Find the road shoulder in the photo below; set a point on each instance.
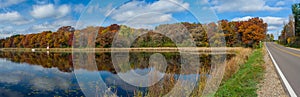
(271, 85)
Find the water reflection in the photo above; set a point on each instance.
(50, 74)
(22, 79)
(64, 62)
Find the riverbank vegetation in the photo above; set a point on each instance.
(234, 65)
(244, 82)
(225, 33)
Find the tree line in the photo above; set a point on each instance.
(234, 33)
(290, 34)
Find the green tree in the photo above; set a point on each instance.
(296, 14)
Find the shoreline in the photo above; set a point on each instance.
(146, 49)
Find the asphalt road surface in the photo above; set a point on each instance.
(288, 61)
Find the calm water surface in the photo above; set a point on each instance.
(42, 74)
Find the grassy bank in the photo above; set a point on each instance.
(232, 66)
(244, 81)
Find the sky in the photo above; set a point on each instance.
(33, 16)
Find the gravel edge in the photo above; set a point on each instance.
(271, 85)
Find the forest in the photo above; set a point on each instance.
(290, 34)
(235, 33)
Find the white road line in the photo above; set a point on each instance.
(286, 83)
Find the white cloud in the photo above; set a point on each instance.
(6, 28)
(7, 3)
(10, 16)
(6, 31)
(145, 13)
(280, 3)
(23, 21)
(242, 5)
(242, 18)
(48, 84)
(79, 8)
(43, 11)
(10, 79)
(274, 23)
(13, 18)
(63, 10)
(64, 22)
(270, 20)
(158, 19)
(46, 11)
(46, 26)
(4, 35)
(202, 2)
(96, 8)
(273, 28)
(275, 20)
(42, 27)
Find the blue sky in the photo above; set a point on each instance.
(33, 16)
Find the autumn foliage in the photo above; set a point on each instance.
(290, 34)
(236, 33)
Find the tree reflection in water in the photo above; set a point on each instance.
(139, 62)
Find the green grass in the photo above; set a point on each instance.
(244, 82)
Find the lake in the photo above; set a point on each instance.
(42, 74)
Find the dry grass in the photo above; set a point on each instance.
(233, 65)
(243, 83)
(206, 87)
(209, 86)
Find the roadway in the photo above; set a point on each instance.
(288, 61)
